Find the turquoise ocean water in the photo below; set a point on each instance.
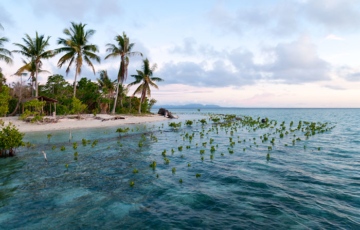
(296, 188)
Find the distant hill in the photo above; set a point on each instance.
(188, 106)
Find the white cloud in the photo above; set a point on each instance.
(333, 37)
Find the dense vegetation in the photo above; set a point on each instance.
(108, 93)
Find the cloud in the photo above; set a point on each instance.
(333, 37)
(297, 62)
(334, 87)
(348, 73)
(5, 17)
(196, 74)
(333, 14)
(186, 48)
(279, 19)
(287, 17)
(72, 10)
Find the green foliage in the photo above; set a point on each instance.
(77, 106)
(36, 105)
(188, 123)
(10, 139)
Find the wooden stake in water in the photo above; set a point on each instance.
(44, 155)
(70, 135)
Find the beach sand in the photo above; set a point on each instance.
(87, 122)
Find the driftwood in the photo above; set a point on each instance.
(166, 113)
(110, 119)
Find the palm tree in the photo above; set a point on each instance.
(106, 84)
(123, 49)
(77, 48)
(5, 55)
(31, 68)
(35, 49)
(145, 78)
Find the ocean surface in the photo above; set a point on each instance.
(296, 187)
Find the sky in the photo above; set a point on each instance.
(232, 53)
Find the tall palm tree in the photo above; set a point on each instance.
(106, 84)
(5, 55)
(35, 49)
(30, 67)
(77, 48)
(122, 49)
(145, 79)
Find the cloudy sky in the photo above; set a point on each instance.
(259, 53)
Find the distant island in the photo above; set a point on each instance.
(188, 106)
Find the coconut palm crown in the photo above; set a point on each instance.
(145, 79)
(35, 49)
(122, 49)
(76, 49)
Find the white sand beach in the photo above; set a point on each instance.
(87, 122)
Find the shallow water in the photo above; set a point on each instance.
(296, 188)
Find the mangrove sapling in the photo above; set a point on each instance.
(189, 165)
(211, 156)
(132, 183)
(180, 180)
(135, 171)
(10, 139)
(62, 148)
(173, 170)
(49, 136)
(198, 175)
(202, 158)
(268, 157)
(53, 147)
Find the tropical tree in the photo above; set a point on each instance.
(145, 79)
(35, 49)
(123, 49)
(106, 84)
(30, 67)
(5, 55)
(76, 49)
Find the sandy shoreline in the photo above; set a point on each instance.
(88, 122)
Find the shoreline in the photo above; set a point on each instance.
(87, 122)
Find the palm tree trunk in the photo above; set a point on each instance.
(36, 81)
(116, 96)
(75, 83)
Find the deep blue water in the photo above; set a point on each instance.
(297, 188)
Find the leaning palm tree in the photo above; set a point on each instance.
(123, 50)
(5, 55)
(145, 79)
(35, 49)
(30, 67)
(106, 84)
(77, 49)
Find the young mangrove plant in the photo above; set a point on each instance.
(10, 139)
(49, 136)
(173, 170)
(122, 130)
(188, 123)
(180, 180)
(135, 171)
(62, 148)
(198, 175)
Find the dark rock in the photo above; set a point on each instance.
(264, 120)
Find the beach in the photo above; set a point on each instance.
(88, 121)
